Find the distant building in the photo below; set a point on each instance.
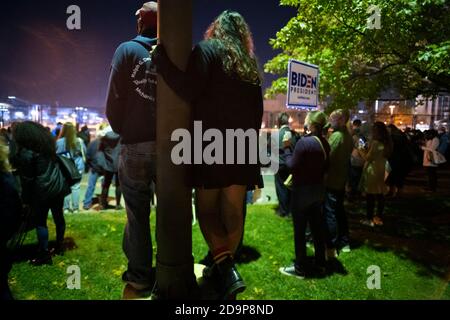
(274, 107)
(49, 116)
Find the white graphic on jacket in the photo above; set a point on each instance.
(144, 79)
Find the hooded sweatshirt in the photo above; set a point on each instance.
(131, 101)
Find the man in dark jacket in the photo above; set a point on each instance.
(283, 193)
(131, 111)
(95, 171)
(85, 135)
(108, 155)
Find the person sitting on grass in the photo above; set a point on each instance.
(308, 165)
(10, 209)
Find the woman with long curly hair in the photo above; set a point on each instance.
(223, 85)
(70, 145)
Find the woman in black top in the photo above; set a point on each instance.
(10, 210)
(222, 83)
(43, 185)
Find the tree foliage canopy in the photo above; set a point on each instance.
(410, 52)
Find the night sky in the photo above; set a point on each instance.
(43, 62)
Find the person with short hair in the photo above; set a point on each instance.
(308, 164)
(57, 130)
(108, 160)
(95, 170)
(341, 144)
(283, 193)
(131, 111)
(85, 135)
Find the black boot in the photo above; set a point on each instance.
(230, 281)
(104, 199)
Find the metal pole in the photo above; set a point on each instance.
(433, 112)
(174, 269)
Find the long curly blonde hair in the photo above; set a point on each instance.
(232, 35)
(4, 152)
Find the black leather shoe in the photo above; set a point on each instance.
(230, 280)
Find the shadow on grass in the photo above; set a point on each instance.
(415, 237)
(417, 225)
(28, 251)
(244, 255)
(334, 266)
(247, 255)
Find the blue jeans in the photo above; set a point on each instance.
(335, 216)
(283, 195)
(92, 181)
(137, 171)
(41, 212)
(74, 196)
(249, 198)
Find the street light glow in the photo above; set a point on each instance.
(392, 109)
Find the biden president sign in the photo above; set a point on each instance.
(303, 86)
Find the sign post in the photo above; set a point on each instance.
(175, 265)
(303, 85)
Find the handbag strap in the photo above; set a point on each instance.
(321, 146)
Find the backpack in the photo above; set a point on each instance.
(69, 170)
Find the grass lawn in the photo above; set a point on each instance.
(269, 241)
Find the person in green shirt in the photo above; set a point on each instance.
(341, 145)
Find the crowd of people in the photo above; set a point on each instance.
(317, 171)
(33, 183)
(337, 160)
